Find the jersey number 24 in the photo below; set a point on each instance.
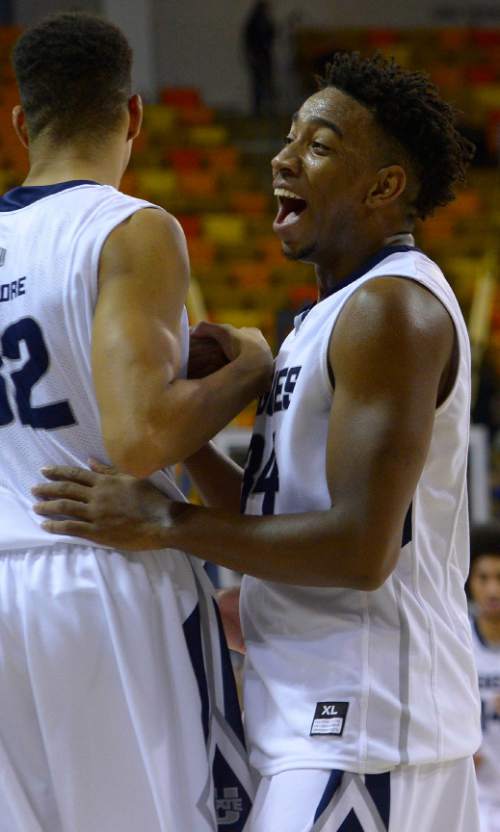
(268, 481)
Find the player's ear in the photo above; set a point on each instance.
(135, 112)
(19, 124)
(389, 184)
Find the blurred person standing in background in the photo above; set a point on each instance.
(258, 42)
(484, 588)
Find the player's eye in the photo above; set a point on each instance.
(320, 146)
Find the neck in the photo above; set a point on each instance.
(489, 628)
(346, 263)
(50, 164)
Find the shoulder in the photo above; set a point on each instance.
(394, 308)
(391, 321)
(150, 235)
(149, 247)
(146, 223)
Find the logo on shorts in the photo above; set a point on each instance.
(228, 806)
(329, 718)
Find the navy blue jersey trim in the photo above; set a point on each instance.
(304, 310)
(374, 790)
(365, 267)
(351, 823)
(28, 194)
(192, 634)
(372, 261)
(407, 527)
(231, 706)
(379, 788)
(331, 787)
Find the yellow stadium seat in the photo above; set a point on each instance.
(242, 317)
(488, 96)
(224, 229)
(159, 120)
(195, 303)
(209, 135)
(155, 184)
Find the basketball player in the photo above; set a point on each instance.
(484, 587)
(118, 705)
(361, 697)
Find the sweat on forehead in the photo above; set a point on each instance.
(337, 109)
(354, 125)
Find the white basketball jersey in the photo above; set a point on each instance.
(101, 647)
(488, 668)
(340, 678)
(50, 244)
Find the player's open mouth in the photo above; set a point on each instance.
(290, 208)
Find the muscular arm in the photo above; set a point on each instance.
(390, 351)
(150, 419)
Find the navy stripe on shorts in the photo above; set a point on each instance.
(347, 796)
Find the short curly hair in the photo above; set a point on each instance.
(74, 74)
(408, 108)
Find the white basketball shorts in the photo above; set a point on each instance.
(431, 798)
(118, 707)
(489, 813)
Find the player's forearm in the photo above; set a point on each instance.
(175, 423)
(310, 549)
(217, 478)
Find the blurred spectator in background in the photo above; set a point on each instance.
(258, 40)
(291, 93)
(484, 587)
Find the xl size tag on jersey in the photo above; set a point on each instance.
(329, 718)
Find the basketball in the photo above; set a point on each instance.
(206, 356)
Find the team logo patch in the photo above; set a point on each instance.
(228, 806)
(329, 718)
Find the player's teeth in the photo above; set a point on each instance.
(284, 192)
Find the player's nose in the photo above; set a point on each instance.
(287, 160)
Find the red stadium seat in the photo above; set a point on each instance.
(181, 97)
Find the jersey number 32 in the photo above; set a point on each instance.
(45, 417)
